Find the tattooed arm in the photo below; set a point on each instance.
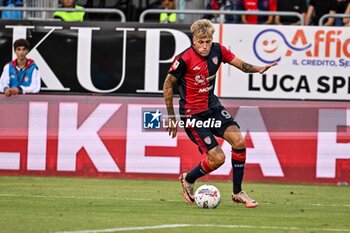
(169, 82)
(248, 68)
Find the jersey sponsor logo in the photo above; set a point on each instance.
(215, 60)
(205, 89)
(200, 80)
(196, 68)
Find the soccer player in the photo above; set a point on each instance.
(21, 75)
(194, 72)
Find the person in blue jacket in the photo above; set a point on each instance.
(22, 75)
(11, 14)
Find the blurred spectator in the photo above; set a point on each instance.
(213, 5)
(346, 21)
(298, 6)
(70, 16)
(11, 14)
(165, 17)
(21, 75)
(341, 8)
(1, 5)
(318, 8)
(233, 5)
(190, 5)
(261, 5)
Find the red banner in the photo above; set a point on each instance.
(100, 136)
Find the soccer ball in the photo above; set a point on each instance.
(207, 196)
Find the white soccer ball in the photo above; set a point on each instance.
(207, 196)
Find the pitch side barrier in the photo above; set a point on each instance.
(221, 12)
(133, 58)
(119, 137)
(326, 16)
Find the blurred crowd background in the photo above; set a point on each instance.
(311, 10)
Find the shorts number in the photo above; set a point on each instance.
(226, 114)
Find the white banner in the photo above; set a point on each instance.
(314, 62)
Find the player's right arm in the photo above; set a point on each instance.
(168, 85)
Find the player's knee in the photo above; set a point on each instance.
(239, 143)
(216, 157)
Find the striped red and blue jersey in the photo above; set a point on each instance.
(196, 77)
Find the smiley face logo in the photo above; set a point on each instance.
(270, 46)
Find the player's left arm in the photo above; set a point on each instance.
(248, 68)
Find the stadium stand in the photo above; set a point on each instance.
(133, 10)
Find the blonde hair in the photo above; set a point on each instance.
(202, 28)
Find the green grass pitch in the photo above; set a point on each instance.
(81, 205)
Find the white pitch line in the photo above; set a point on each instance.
(173, 225)
(143, 199)
(73, 197)
(129, 228)
(274, 227)
(168, 226)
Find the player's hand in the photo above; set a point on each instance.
(7, 92)
(14, 90)
(265, 68)
(172, 127)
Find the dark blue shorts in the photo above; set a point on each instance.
(214, 122)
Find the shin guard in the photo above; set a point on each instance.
(238, 162)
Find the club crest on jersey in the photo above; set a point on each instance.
(215, 60)
(26, 79)
(207, 140)
(175, 64)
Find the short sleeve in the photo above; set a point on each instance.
(178, 68)
(227, 55)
